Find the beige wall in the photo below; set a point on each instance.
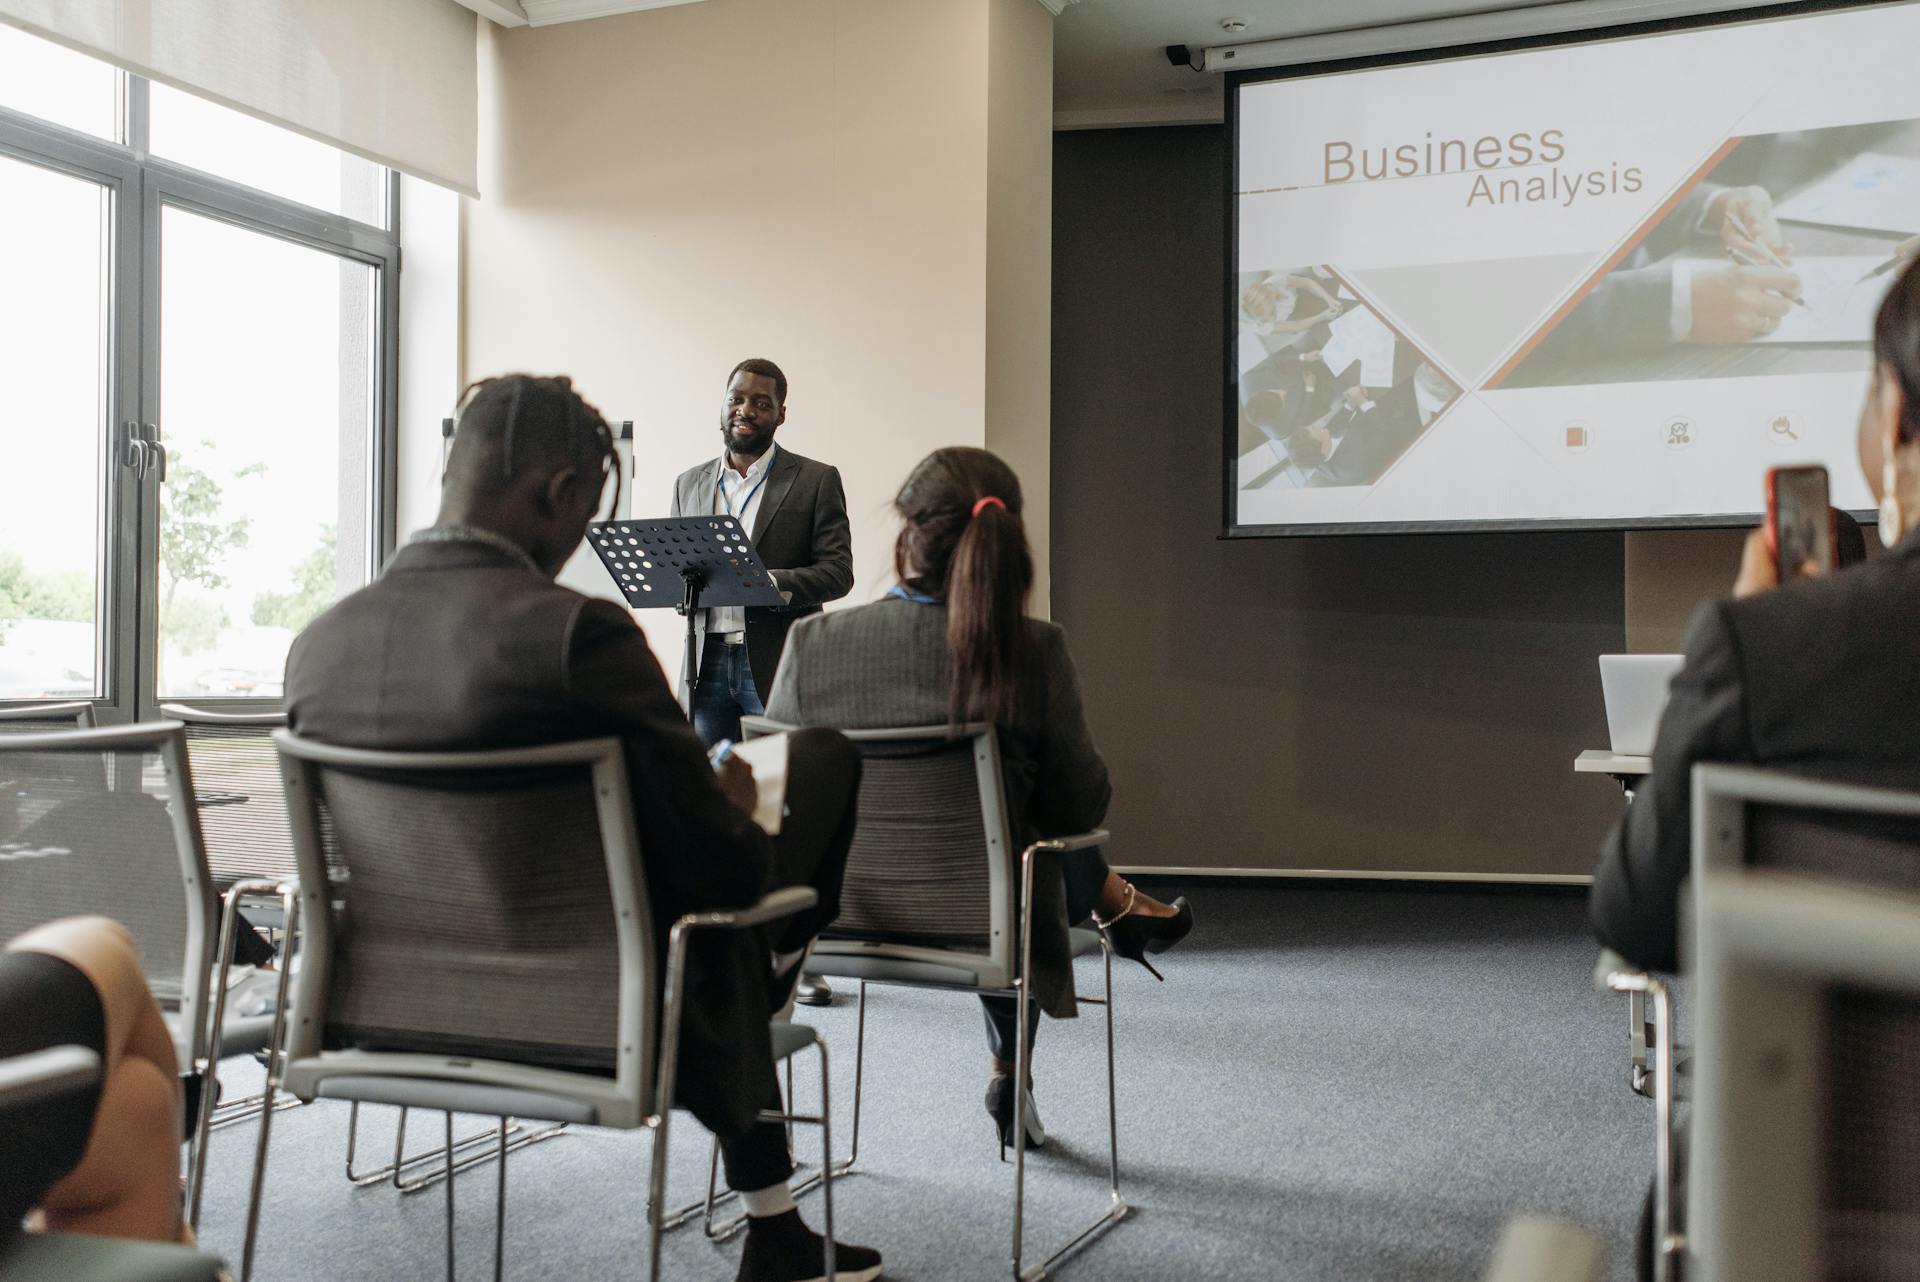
(1670, 574)
(1020, 259)
(821, 182)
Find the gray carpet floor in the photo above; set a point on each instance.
(1333, 1083)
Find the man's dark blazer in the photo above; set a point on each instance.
(1370, 439)
(1820, 676)
(800, 531)
(456, 647)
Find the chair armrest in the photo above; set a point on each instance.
(1613, 973)
(1534, 1248)
(1078, 841)
(44, 1074)
(753, 727)
(781, 903)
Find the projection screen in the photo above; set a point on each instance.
(1602, 281)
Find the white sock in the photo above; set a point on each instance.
(775, 1199)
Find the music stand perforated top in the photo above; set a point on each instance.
(647, 559)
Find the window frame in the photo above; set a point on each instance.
(139, 186)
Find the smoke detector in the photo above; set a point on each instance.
(1233, 26)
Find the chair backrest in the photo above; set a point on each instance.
(1745, 817)
(471, 905)
(930, 873)
(1806, 1122)
(236, 776)
(102, 821)
(38, 718)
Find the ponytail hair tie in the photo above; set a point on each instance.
(989, 501)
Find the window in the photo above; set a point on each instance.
(53, 361)
(208, 137)
(266, 387)
(56, 84)
(199, 353)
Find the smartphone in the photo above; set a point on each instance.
(1799, 521)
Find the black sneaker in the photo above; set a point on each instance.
(781, 1248)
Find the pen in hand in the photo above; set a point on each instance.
(1747, 260)
(1900, 255)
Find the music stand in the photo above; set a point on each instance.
(686, 562)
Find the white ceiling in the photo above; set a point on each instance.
(1110, 65)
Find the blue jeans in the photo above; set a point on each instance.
(724, 693)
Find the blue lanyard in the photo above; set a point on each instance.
(914, 597)
(720, 486)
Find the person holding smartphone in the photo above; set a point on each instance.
(1821, 674)
(1806, 668)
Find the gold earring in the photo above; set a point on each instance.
(1891, 518)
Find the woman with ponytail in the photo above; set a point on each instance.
(952, 644)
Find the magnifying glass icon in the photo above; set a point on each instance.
(1783, 426)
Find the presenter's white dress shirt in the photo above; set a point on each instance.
(738, 496)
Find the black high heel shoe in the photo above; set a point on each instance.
(1000, 1103)
(1134, 935)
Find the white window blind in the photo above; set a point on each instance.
(392, 80)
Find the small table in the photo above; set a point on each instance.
(1626, 769)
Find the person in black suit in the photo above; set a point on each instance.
(795, 511)
(466, 642)
(1816, 675)
(1819, 673)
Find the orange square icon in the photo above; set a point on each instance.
(1577, 436)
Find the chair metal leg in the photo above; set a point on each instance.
(448, 1152)
(500, 1211)
(246, 1109)
(826, 1149)
(389, 1171)
(1669, 1238)
(820, 1179)
(276, 1064)
(1637, 1041)
(1113, 1103)
(789, 1067)
(845, 1165)
(656, 1193)
(428, 1180)
(207, 1064)
(1023, 1057)
(676, 979)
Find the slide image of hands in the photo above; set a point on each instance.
(1772, 262)
(1329, 393)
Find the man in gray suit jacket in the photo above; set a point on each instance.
(795, 511)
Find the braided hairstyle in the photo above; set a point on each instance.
(514, 422)
(962, 540)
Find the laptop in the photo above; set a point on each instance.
(1635, 688)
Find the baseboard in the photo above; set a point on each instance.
(1353, 874)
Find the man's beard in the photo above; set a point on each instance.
(752, 447)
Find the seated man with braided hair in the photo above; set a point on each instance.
(466, 642)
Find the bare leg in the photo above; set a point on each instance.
(128, 1183)
(1113, 899)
